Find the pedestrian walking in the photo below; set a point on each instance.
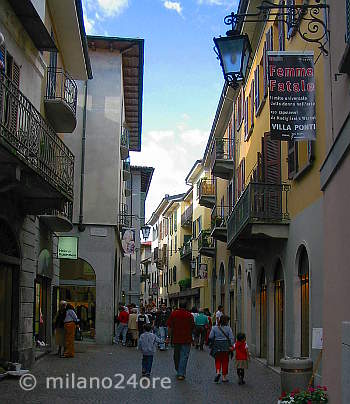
(209, 326)
(59, 327)
(180, 328)
(132, 327)
(70, 322)
(221, 342)
(148, 346)
(122, 327)
(218, 314)
(142, 319)
(242, 356)
(201, 322)
(161, 323)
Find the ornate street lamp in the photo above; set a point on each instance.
(233, 51)
(145, 231)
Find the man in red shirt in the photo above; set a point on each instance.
(122, 327)
(180, 328)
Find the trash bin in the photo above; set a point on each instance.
(295, 373)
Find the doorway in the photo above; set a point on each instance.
(263, 314)
(42, 304)
(279, 314)
(9, 292)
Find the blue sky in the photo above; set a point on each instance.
(182, 78)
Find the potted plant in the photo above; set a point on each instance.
(185, 283)
(310, 396)
(220, 148)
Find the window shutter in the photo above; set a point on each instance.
(246, 118)
(2, 62)
(239, 180)
(243, 174)
(272, 160)
(252, 104)
(292, 158)
(347, 37)
(265, 69)
(272, 201)
(14, 105)
(256, 98)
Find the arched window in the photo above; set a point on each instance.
(231, 269)
(303, 271)
(222, 274)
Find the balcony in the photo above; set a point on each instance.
(219, 216)
(222, 154)
(186, 250)
(207, 192)
(59, 220)
(206, 244)
(126, 170)
(36, 164)
(186, 217)
(124, 216)
(260, 215)
(60, 100)
(124, 143)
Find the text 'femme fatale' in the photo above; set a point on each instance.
(298, 82)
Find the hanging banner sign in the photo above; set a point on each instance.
(292, 95)
(128, 241)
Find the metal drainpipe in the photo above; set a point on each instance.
(81, 226)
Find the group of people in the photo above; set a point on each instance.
(182, 329)
(66, 322)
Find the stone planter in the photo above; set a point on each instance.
(295, 373)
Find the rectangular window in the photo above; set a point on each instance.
(290, 18)
(175, 248)
(194, 233)
(257, 90)
(281, 31)
(174, 274)
(171, 247)
(268, 46)
(246, 119)
(175, 222)
(199, 224)
(251, 104)
(292, 158)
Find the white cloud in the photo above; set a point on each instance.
(217, 2)
(113, 7)
(89, 23)
(172, 153)
(173, 5)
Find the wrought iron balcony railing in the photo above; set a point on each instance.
(124, 216)
(222, 153)
(186, 217)
(259, 203)
(186, 249)
(219, 216)
(207, 187)
(66, 211)
(124, 143)
(59, 220)
(205, 241)
(222, 149)
(26, 134)
(60, 86)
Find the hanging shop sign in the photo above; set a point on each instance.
(203, 271)
(128, 241)
(68, 247)
(292, 95)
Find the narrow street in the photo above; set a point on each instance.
(262, 384)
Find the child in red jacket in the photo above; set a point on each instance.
(242, 356)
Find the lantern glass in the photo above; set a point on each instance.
(234, 52)
(145, 231)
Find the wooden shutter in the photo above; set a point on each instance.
(246, 119)
(252, 104)
(3, 58)
(14, 105)
(256, 93)
(271, 196)
(292, 158)
(265, 69)
(272, 160)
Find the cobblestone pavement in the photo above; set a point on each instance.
(262, 384)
